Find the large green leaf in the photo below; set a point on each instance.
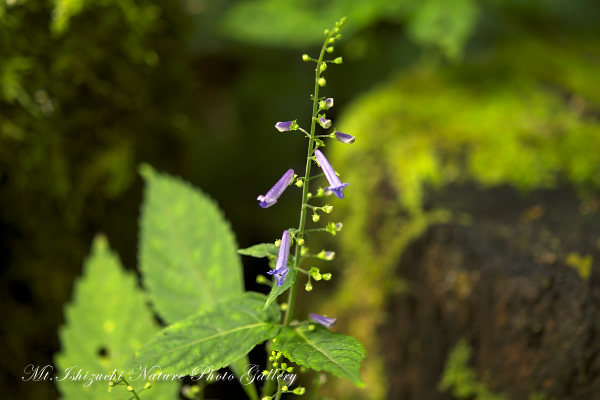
(276, 291)
(216, 337)
(187, 250)
(106, 322)
(322, 350)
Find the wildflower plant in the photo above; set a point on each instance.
(192, 276)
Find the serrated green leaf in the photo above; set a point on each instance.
(276, 291)
(106, 322)
(187, 250)
(260, 250)
(322, 350)
(216, 337)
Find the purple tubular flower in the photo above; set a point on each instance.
(272, 195)
(335, 185)
(329, 102)
(325, 123)
(281, 269)
(284, 126)
(344, 137)
(326, 322)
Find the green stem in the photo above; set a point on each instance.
(311, 143)
(135, 395)
(279, 392)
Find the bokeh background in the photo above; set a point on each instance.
(468, 261)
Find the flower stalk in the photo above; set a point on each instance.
(309, 157)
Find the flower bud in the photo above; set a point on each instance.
(300, 242)
(329, 49)
(314, 272)
(299, 390)
(316, 217)
(326, 255)
(338, 60)
(305, 57)
(299, 183)
(322, 82)
(327, 277)
(308, 287)
(327, 208)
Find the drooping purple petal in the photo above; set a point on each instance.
(272, 195)
(281, 269)
(335, 185)
(280, 275)
(325, 123)
(326, 322)
(284, 126)
(344, 137)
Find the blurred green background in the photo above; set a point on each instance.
(495, 92)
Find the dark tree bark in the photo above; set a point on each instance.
(501, 282)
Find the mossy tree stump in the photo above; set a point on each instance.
(516, 277)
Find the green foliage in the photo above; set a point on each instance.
(445, 24)
(79, 106)
(276, 290)
(260, 250)
(322, 350)
(441, 24)
(106, 322)
(219, 335)
(460, 380)
(187, 250)
(299, 23)
(64, 10)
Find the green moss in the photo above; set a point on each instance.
(494, 122)
(460, 380)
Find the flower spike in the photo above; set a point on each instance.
(335, 185)
(326, 322)
(344, 137)
(272, 195)
(281, 269)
